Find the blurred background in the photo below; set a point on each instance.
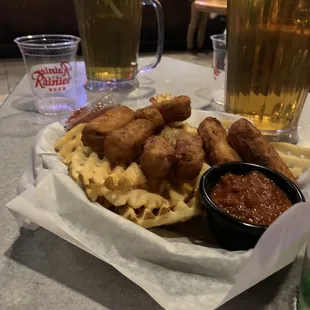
(19, 18)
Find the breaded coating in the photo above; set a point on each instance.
(175, 110)
(170, 135)
(156, 159)
(152, 114)
(184, 126)
(189, 156)
(253, 147)
(215, 142)
(95, 132)
(123, 145)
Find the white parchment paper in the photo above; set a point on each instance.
(178, 275)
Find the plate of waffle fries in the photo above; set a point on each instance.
(118, 184)
(145, 165)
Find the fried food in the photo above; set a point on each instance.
(161, 97)
(83, 115)
(95, 131)
(125, 179)
(127, 184)
(156, 159)
(174, 110)
(152, 114)
(121, 146)
(296, 157)
(148, 216)
(189, 156)
(215, 141)
(170, 135)
(71, 143)
(115, 188)
(253, 147)
(184, 126)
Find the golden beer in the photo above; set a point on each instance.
(110, 32)
(268, 62)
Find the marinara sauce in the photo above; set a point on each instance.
(252, 198)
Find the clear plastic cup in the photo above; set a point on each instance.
(50, 61)
(219, 68)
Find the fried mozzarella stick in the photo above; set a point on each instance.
(175, 110)
(121, 146)
(156, 159)
(95, 132)
(189, 156)
(253, 147)
(152, 114)
(171, 135)
(216, 145)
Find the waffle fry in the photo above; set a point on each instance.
(296, 157)
(162, 216)
(204, 169)
(136, 199)
(76, 164)
(183, 193)
(160, 98)
(292, 149)
(122, 180)
(95, 170)
(69, 136)
(70, 143)
(94, 192)
(113, 180)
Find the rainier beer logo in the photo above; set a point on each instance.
(55, 78)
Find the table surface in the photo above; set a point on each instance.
(38, 270)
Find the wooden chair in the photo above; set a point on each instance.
(200, 11)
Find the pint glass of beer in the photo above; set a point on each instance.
(110, 32)
(269, 63)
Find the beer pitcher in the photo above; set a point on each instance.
(110, 32)
(268, 63)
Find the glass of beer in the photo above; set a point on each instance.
(269, 63)
(110, 32)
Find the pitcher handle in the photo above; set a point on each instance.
(160, 40)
